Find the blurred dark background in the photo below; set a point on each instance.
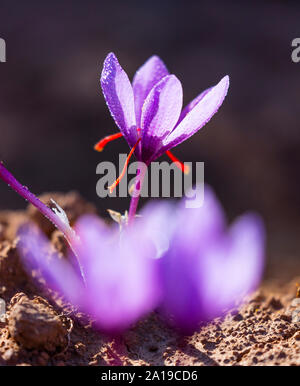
(52, 110)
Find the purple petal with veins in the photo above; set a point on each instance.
(154, 106)
(198, 116)
(119, 97)
(160, 113)
(192, 104)
(146, 77)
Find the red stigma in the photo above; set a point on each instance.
(104, 141)
(184, 168)
(116, 183)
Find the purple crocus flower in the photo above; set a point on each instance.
(208, 269)
(120, 279)
(183, 260)
(114, 276)
(149, 112)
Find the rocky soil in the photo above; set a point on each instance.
(40, 328)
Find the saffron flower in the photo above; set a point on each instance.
(207, 268)
(120, 276)
(149, 111)
(184, 261)
(114, 277)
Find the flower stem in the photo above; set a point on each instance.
(23, 191)
(137, 191)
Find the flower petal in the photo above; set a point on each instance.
(208, 270)
(196, 230)
(160, 113)
(233, 269)
(192, 104)
(199, 115)
(158, 223)
(94, 235)
(35, 250)
(119, 98)
(120, 275)
(201, 225)
(146, 77)
(248, 238)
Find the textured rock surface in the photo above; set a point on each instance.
(34, 324)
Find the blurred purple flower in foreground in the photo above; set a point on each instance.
(150, 110)
(207, 268)
(183, 260)
(120, 282)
